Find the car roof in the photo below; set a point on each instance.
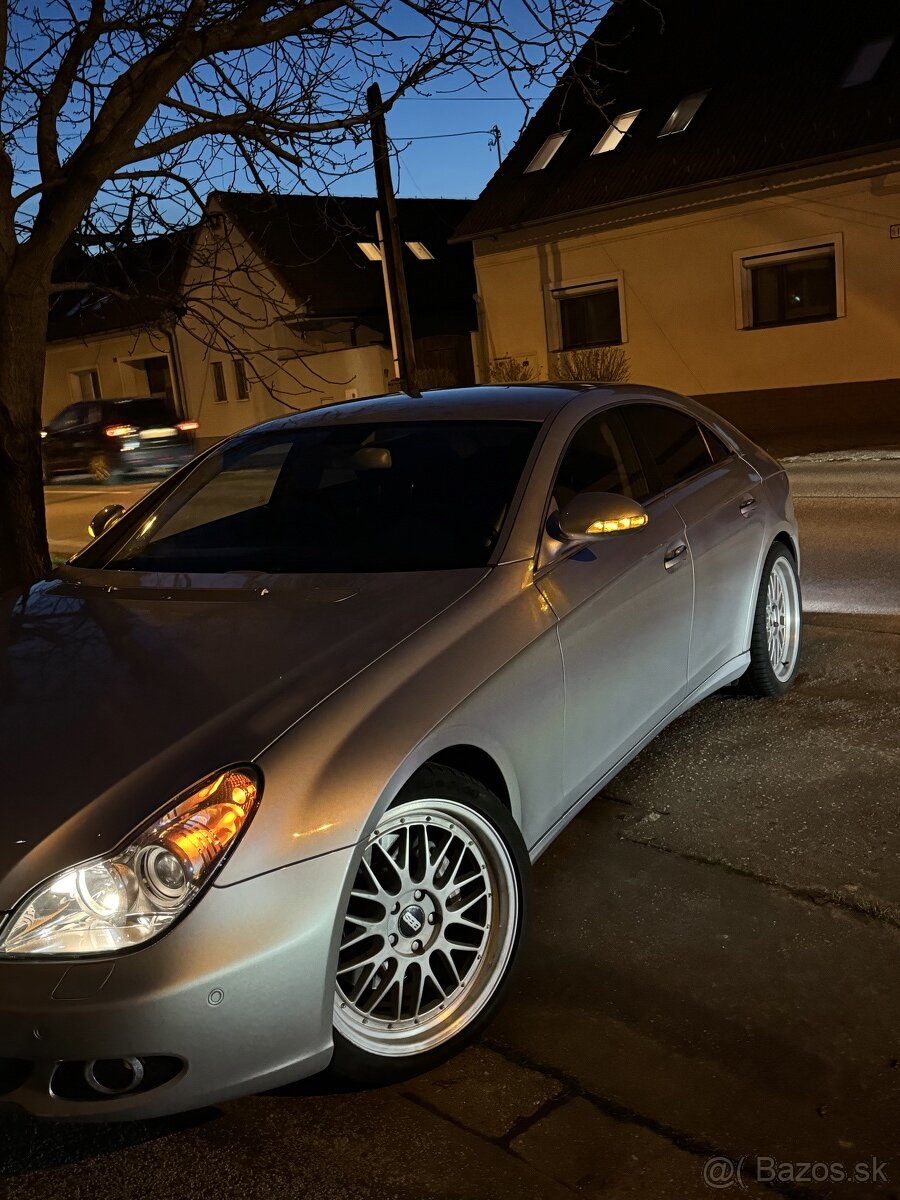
(514, 402)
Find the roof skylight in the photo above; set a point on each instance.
(684, 113)
(370, 250)
(868, 59)
(546, 152)
(619, 126)
(420, 250)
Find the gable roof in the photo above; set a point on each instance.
(773, 70)
(135, 286)
(311, 242)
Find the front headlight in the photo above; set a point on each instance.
(125, 898)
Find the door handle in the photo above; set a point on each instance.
(675, 556)
(747, 505)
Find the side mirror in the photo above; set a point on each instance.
(105, 519)
(590, 516)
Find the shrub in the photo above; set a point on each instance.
(600, 364)
(511, 370)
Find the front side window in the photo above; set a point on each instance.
(600, 458)
(792, 288)
(670, 441)
(590, 318)
(376, 497)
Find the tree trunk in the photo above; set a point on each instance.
(23, 531)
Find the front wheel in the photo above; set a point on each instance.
(432, 931)
(777, 627)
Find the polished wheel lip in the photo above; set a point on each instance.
(782, 619)
(478, 968)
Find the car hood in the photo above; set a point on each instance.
(118, 692)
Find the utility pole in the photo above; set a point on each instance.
(392, 249)
(495, 141)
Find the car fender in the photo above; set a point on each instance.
(330, 777)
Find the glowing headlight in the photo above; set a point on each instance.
(135, 893)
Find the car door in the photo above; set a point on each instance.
(57, 445)
(716, 493)
(624, 609)
(87, 435)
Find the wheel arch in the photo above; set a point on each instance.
(476, 762)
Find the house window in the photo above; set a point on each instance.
(684, 113)
(868, 59)
(420, 250)
(87, 384)
(589, 317)
(617, 130)
(370, 250)
(546, 152)
(241, 383)
(218, 378)
(795, 287)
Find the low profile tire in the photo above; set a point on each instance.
(777, 627)
(435, 923)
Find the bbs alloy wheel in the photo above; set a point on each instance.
(777, 627)
(431, 929)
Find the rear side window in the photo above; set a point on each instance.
(601, 458)
(716, 446)
(670, 441)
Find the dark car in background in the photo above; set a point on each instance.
(112, 439)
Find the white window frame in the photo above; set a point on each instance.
(700, 97)
(212, 378)
(75, 389)
(808, 247)
(616, 131)
(549, 148)
(239, 369)
(584, 286)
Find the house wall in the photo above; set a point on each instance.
(681, 302)
(239, 323)
(110, 355)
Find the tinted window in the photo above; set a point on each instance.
(423, 495)
(142, 413)
(67, 419)
(600, 458)
(671, 440)
(717, 447)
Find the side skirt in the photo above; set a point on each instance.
(726, 674)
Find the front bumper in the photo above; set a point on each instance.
(240, 992)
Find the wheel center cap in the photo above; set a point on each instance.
(411, 921)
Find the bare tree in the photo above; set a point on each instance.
(116, 115)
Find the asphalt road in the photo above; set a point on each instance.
(712, 973)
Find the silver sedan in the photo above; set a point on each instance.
(281, 744)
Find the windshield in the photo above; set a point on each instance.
(411, 496)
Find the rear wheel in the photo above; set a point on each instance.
(432, 931)
(101, 469)
(777, 627)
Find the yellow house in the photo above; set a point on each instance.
(270, 305)
(715, 188)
